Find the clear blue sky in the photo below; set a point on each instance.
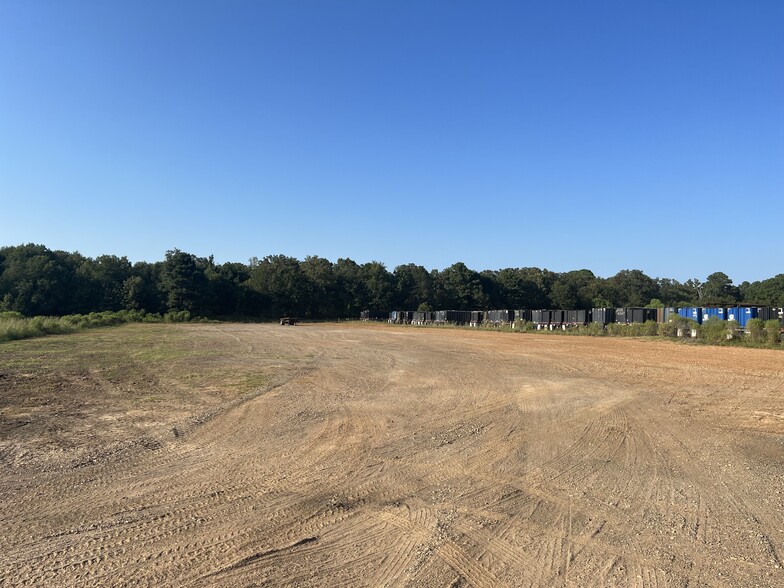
(566, 135)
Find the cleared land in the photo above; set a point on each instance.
(246, 455)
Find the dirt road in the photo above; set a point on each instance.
(396, 457)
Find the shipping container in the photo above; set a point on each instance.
(620, 316)
(766, 313)
(577, 317)
(524, 314)
(640, 315)
(710, 312)
(455, 317)
(603, 316)
(557, 317)
(499, 317)
(540, 317)
(742, 314)
(691, 312)
(374, 315)
(477, 317)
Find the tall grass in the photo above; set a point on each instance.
(15, 326)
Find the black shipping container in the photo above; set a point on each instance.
(477, 317)
(603, 316)
(457, 317)
(636, 315)
(556, 317)
(540, 317)
(500, 316)
(620, 315)
(576, 317)
(374, 315)
(523, 314)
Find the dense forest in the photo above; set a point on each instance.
(35, 280)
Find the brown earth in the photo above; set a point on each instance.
(332, 455)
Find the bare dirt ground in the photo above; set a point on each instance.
(330, 455)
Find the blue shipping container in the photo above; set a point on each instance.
(742, 315)
(719, 313)
(691, 312)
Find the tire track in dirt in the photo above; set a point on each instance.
(407, 469)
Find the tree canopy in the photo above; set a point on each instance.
(35, 280)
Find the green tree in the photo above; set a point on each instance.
(280, 279)
(141, 290)
(462, 288)
(718, 289)
(631, 288)
(321, 288)
(351, 290)
(35, 280)
(379, 285)
(527, 287)
(104, 277)
(413, 286)
(564, 295)
(183, 282)
(574, 289)
(673, 293)
(768, 292)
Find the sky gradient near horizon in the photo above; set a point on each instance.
(563, 135)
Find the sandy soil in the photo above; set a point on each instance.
(392, 456)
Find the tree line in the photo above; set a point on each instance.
(36, 281)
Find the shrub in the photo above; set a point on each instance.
(10, 314)
(714, 330)
(594, 329)
(668, 329)
(177, 316)
(773, 331)
(650, 328)
(616, 329)
(756, 329)
(733, 329)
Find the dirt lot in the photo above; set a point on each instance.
(247, 455)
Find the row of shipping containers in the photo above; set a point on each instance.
(551, 318)
(740, 314)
